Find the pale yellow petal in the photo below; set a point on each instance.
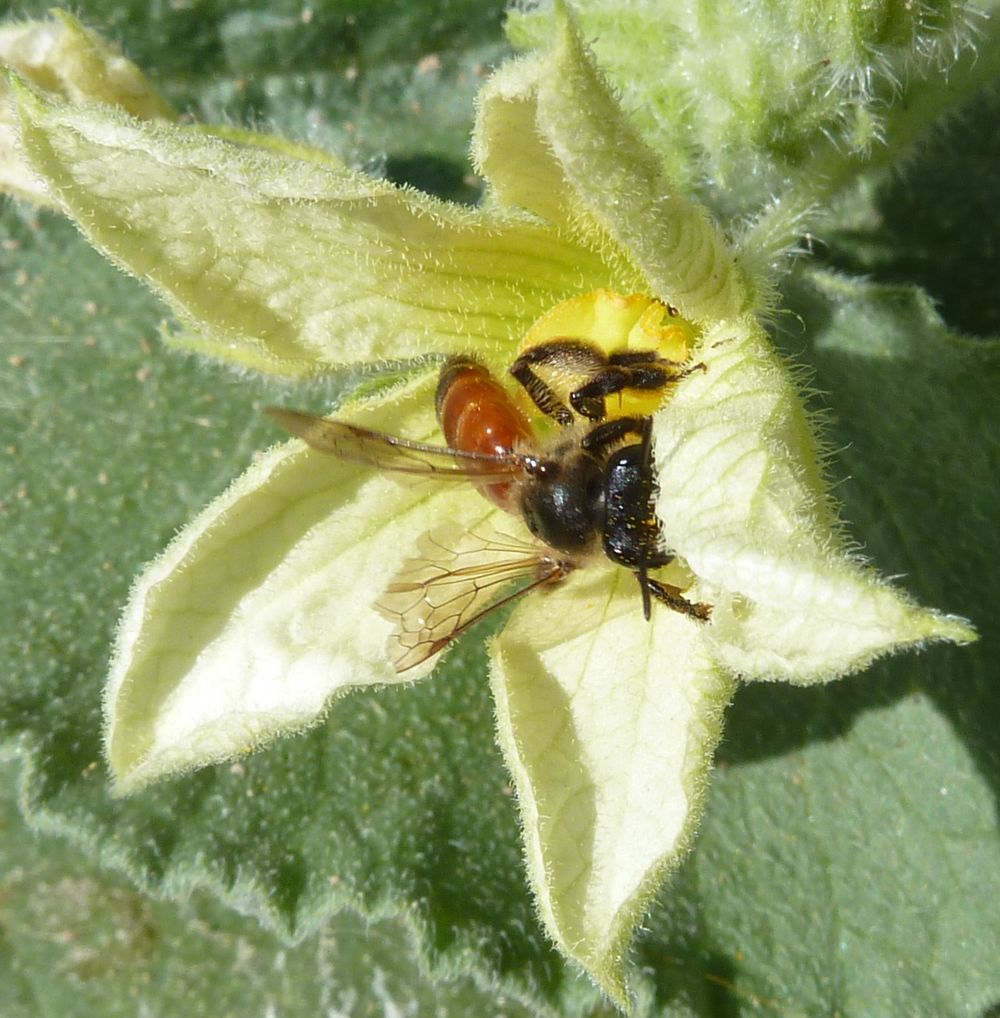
(608, 724)
(551, 136)
(261, 609)
(670, 238)
(742, 501)
(510, 149)
(66, 59)
(281, 262)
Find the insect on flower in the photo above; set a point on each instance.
(584, 491)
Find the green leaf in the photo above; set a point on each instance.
(79, 941)
(749, 104)
(917, 227)
(869, 877)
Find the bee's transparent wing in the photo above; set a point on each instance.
(387, 452)
(458, 578)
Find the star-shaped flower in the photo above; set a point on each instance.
(262, 610)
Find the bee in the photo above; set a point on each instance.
(584, 492)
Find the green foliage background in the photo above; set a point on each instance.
(849, 861)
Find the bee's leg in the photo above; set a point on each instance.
(560, 356)
(613, 431)
(673, 597)
(643, 576)
(646, 358)
(589, 399)
(631, 358)
(629, 370)
(646, 430)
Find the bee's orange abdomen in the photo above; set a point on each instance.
(477, 414)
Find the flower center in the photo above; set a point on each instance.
(602, 356)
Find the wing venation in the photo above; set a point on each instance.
(457, 579)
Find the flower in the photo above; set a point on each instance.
(285, 261)
(66, 59)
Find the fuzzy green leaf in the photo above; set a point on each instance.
(79, 941)
(744, 118)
